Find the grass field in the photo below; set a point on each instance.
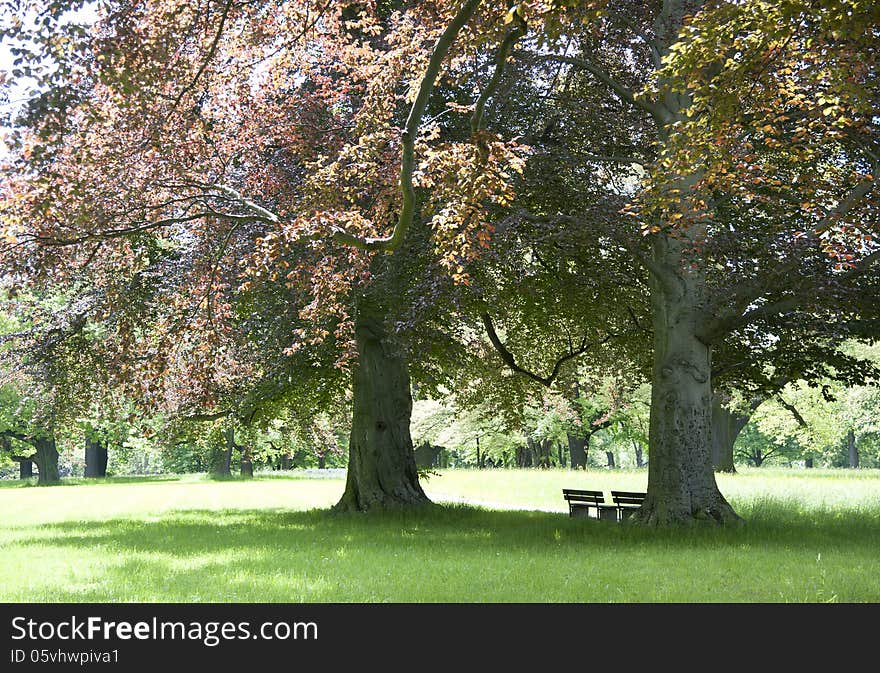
(811, 536)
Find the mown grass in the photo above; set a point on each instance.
(810, 537)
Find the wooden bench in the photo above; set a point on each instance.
(627, 502)
(580, 502)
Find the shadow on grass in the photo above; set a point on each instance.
(433, 553)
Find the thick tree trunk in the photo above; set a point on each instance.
(381, 464)
(681, 481)
(640, 460)
(322, 461)
(223, 460)
(96, 459)
(609, 456)
(726, 426)
(46, 460)
(540, 450)
(25, 469)
(246, 466)
(808, 462)
(852, 449)
(577, 450)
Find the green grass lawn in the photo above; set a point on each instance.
(811, 536)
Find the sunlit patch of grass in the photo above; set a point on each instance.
(808, 538)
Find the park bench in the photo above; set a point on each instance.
(624, 503)
(627, 502)
(581, 502)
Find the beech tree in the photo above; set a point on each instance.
(741, 224)
(266, 139)
(284, 136)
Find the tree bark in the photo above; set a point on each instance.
(808, 462)
(381, 464)
(246, 466)
(25, 468)
(96, 459)
(223, 460)
(577, 450)
(852, 449)
(609, 456)
(640, 460)
(726, 426)
(46, 460)
(681, 481)
(540, 450)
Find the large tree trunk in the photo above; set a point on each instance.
(46, 460)
(640, 461)
(726, 426)
(25, 468)
(246, 465)
(681, 481)
(577, 450)
(540, 451)
(523, 456)
(96, 459)
(609, 457)
(381, 463)
(223, 459)
(852, 449)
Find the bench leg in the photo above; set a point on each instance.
(608, 514)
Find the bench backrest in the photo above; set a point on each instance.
(628, 497)
(574, 495)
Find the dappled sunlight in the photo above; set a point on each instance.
(441, 554)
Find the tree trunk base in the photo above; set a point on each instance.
(718, 512)
(381, 501)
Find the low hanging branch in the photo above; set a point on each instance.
(510, 360)
(793, 410)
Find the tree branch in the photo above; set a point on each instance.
(145, 226)
(211, 50)
(794, 412)
(202, 417)
(20, 436)
(408, 137)
(500, 62)
(257, 209)
(851, 201)
(510, 360)
(622, 92)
